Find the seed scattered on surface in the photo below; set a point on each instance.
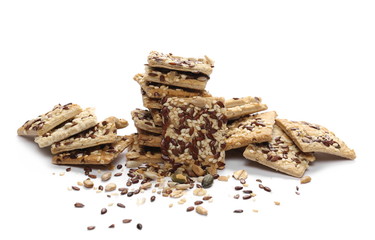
(201, 210)
(68, 169)
(118, 174)
(246, 197)
(237, 188)
(110, 187)
(305, 179)
(139, 226)
(120, 205)
(277, 203)
(297, 193)
(79, 205)
(237, 196)
(205, 198)
(238, 211)
(189, 209)
(255, 210)
(88, 183)
(261, 186)
(207, 181)
(198, 202)
(223, 178)
(75, 188)
(247, 191)
(127, 220)
(100, 188)
(106, 176)
(242, 181)
(240, 174)
(152, 199)
(103, 211)
(90, 228)
(182, 201)
(267, 189)
(112, 226)
(199, 192)
(258, 180)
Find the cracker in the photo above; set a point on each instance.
(86, 119)
(280, 154)
(148, 139)
(194, 132)
(315, 138)
(45, 122)
(143, 154)
(196, 65)
(102, 133)
(157, 90)
(238, 107)
(143, 120)
(252, 129)
(98, 155)
(176, 78)
(153, 103)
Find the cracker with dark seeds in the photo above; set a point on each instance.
(239, 107)
(143, 120)
(280, 154)
(315, 138)
(251, 129)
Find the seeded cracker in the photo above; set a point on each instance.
(102, 133)
(79, 123)
(157, 90)
(45, 122)
(280, 154)
(156, 116)
(148, 139)
(238, 107)
(252, 129)
(143, 120)
(143, 154)
(194, 132)
(175, 78)
(154, 103)
(169, 61)
(315, 138)
(98, 155)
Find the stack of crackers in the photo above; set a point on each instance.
(75, 137)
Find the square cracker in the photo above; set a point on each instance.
(86, 119)
(169, 61)
(194, 132)
(45, 122)
(315, 138)
(148, 139)
(157, 90)
(280, 154)
(239, 107)
(102, 133)
(143, 120)
(176, 78)
(98, 155)
(251, 129)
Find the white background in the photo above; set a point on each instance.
(308, 60)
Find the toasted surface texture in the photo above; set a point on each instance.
(143, 120)
(98, 155)
(143, 154)
(102, 133)
(252, 129)
(45, 122)
(239, 107)
(280, 154)
(86, 119)
(170, 61)
(315, 138)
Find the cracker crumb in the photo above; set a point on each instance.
(305, 179)
(62, 173)
(255, 210)
(277, 203)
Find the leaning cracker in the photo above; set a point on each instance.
(143, 120)
(102, 133)
(169, 61)
(175, 78)
(315, 138)
(238, 107)
(252, 129)
(79, 123)
(143, 154)
(157, 90)
(194, 132)
(45, 122)
(280, 154)
(98, 155)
